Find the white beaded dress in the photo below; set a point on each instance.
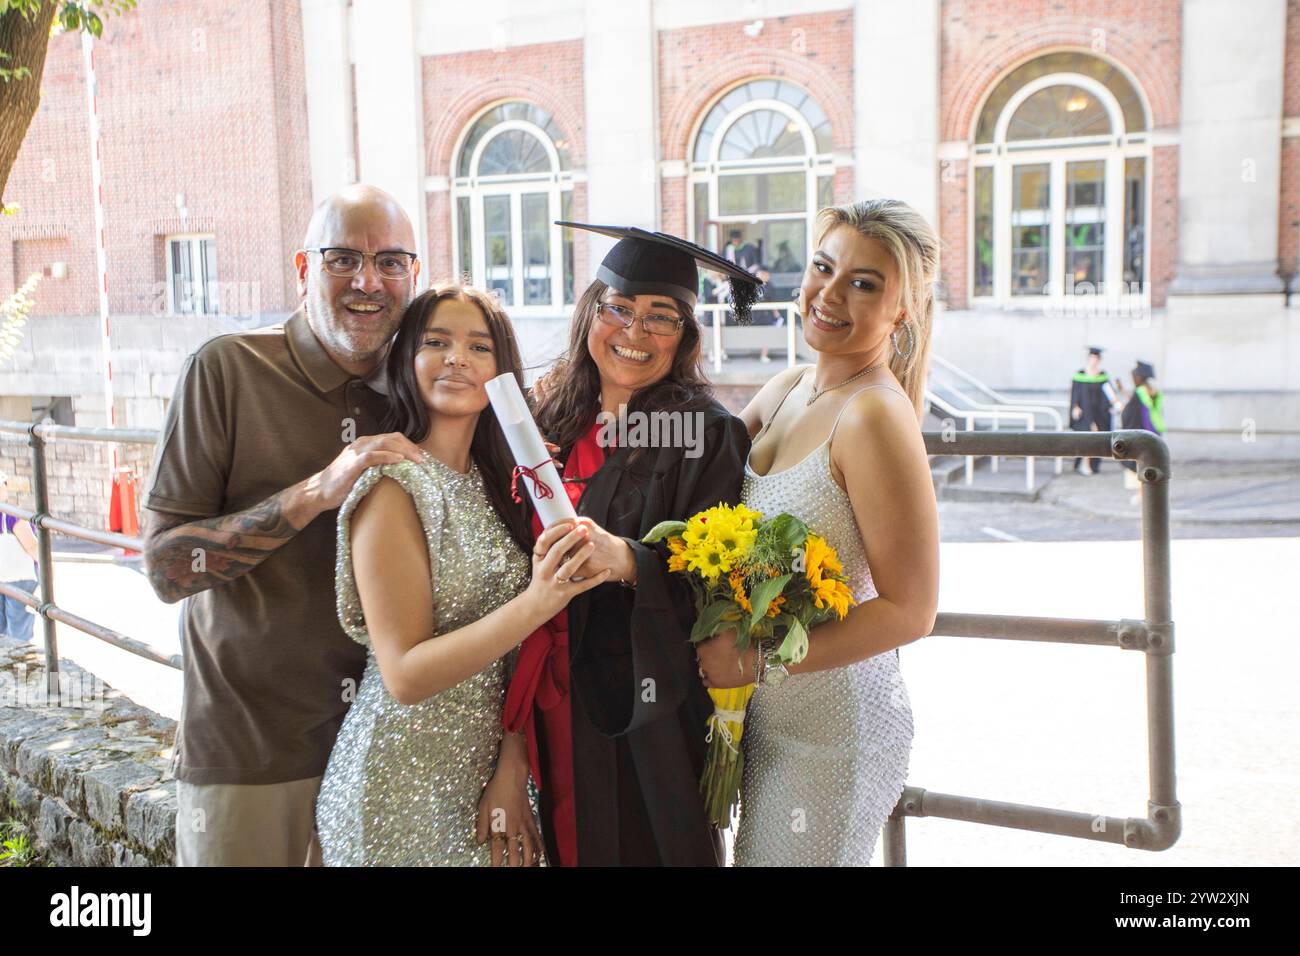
(403, 783)
(826, 752)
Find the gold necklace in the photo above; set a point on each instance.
(852, 378)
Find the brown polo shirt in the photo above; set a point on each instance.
(266, 662)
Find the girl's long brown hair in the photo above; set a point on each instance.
(408, 414)
(571, 397)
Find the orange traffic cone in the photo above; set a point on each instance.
(121, 506)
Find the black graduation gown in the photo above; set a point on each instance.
(1131, 417)
(1091, 398)
(639, 709)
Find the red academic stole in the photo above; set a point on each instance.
(539, 688)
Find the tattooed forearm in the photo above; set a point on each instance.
(184, 556)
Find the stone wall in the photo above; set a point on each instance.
(59, 356)
(87, 775)
(77, 479)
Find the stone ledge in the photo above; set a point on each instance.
(88, 772)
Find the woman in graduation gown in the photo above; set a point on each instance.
(609, 692)
(1145, 410)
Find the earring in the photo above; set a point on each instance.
(911, 341)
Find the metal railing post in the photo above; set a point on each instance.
(1164, 818)
(44, 556)
(895, 834)
(970, 459)
(1029, 462)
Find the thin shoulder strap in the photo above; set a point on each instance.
(771, 418)
(849, 401)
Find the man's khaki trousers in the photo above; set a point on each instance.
(228, 824)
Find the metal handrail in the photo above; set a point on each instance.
(1004, 410)
(998, 397)
(1001, 400)
(44, 523)
(719, 312)
(1152, 635)
(994, 415)
(1003, 406)
(1160, 828)
(46, 430)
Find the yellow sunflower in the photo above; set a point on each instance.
(819, 557)
(677, 559)
(708, 558)
(716, 539)
(738, 590)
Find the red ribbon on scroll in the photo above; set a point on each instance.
(542, 489)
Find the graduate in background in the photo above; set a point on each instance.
(1093, 395)
(1145, 410)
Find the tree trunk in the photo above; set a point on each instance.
(26, 42)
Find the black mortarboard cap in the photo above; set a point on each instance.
(1094, 350)
(643, 263)
(1145, 369)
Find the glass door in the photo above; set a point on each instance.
(1085, 227)
(498, 247)
(535, 230)
(1030, 228)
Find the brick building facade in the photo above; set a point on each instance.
(1116, 171)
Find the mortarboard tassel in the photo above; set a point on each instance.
(743, 296)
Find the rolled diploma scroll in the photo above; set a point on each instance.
(526, 445)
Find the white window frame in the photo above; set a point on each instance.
(813, 164)
(208, 298)
(554, 183)
(1113, 149)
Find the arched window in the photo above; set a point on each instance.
(1060, 172)
(511, 181)
(761, 167)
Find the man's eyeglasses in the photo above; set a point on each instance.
(623, 317)
(345, 263)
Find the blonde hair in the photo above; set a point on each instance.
(915, 247)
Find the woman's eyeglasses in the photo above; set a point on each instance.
(623, 317)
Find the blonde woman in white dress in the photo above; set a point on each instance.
(839, 445)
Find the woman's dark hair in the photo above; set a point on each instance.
(408, 414)
(571, 398)
(1140, 379)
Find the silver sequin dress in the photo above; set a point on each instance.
(403, 782)
(826, 752)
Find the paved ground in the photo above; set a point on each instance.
(1041, 724)
(1065, 726)
(1207, 500)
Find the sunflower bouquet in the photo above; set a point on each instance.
(770, 579)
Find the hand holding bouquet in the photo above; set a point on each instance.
(770, 579)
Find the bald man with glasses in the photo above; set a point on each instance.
(266, 434)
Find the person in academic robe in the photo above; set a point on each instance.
(1092, 397)
(609, 691)
(1145, 410)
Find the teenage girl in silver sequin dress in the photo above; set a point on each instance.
(433, 578)
(839, 445)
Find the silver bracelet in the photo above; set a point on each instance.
(623, 581)
(760, 664)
